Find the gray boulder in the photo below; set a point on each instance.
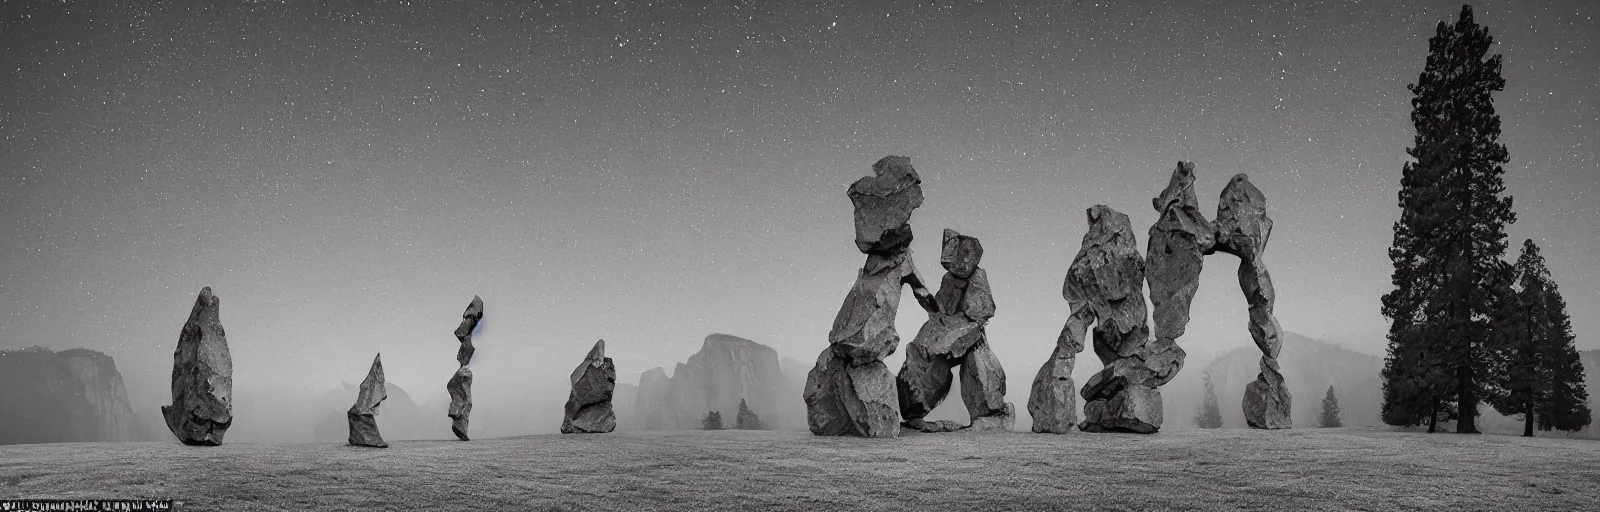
(954, 336)
(594, 381)
(460, 389)
(363, 415)
(202, 377)
(848, 400)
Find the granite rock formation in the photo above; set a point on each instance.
(954, 336)
(850, 391)
(588, 409)
(202, 377)
(1179, 241)
(460, 385)
(1243, 230)
(74, 395)
(726, 370)
(363, 415)
(1106, 282)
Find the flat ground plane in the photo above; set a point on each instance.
(1303, 469)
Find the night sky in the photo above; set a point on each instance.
(347, 175)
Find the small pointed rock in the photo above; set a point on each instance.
(202, 377)
(363, 415)
(588, 409)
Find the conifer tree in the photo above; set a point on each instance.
(1450, 237)
(747, 419)
(711, 421)
(1543, 380)
(1210, 415)
(1330, 411)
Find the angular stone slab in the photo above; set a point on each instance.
(588, 409)
(923, 382)
(883, 204)
(363, 415)
(983, 384)
(202, 377)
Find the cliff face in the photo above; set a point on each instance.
(60, 397)
(727, 369)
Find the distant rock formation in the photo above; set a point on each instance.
(594, 381)
(850, 391)
(460, 385)
(202, 377)
(954, 336)
(70, 396)
(1106, 282)
(403, 417)
(363, 415)
(726, 370)
(1313, 364)
(1242, 230)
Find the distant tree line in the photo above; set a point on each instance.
(1467, 326)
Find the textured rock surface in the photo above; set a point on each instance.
(469, 321)
(726, 370)
(848, 400)
(363, 416)
(1105, 284)
(846, 394)
(954, 336)
(460, 389)
(1243, 230)
(74, 395)
(202, 377)
(460, 384)
(588, 408)
(1179, 241)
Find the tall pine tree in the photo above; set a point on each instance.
(1210, 415)
(1544, 377)
(1330, 411)
(1450, 236)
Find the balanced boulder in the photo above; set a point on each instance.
(202, 377)
(460, 385)
(588, 408)
(954, 336)
(1243, 229)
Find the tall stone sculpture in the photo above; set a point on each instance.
(202, 377)
(1107, 277)
(850, 391)
(1179, 241)
(363, 415)
(954, 336)
(460, 384)
(588, 408)
(1242, 230)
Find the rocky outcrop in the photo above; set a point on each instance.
(1178, 243)
(850, 391)
(588, 408)
(1106, 282)
(1243, 230)
(202, 377)
(726, 370)
(70, 396)
(363, 415)
(954, 336)
(460, 385)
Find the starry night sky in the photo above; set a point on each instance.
(347, 175)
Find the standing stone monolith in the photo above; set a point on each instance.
(460, 385)
(850, 391)
(363, 415)
(589, 409)
(954, 336)
(1179, 241)
(1242, 230)
(202, 377)
(1108, 277)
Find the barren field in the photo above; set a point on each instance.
(1306, 469)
